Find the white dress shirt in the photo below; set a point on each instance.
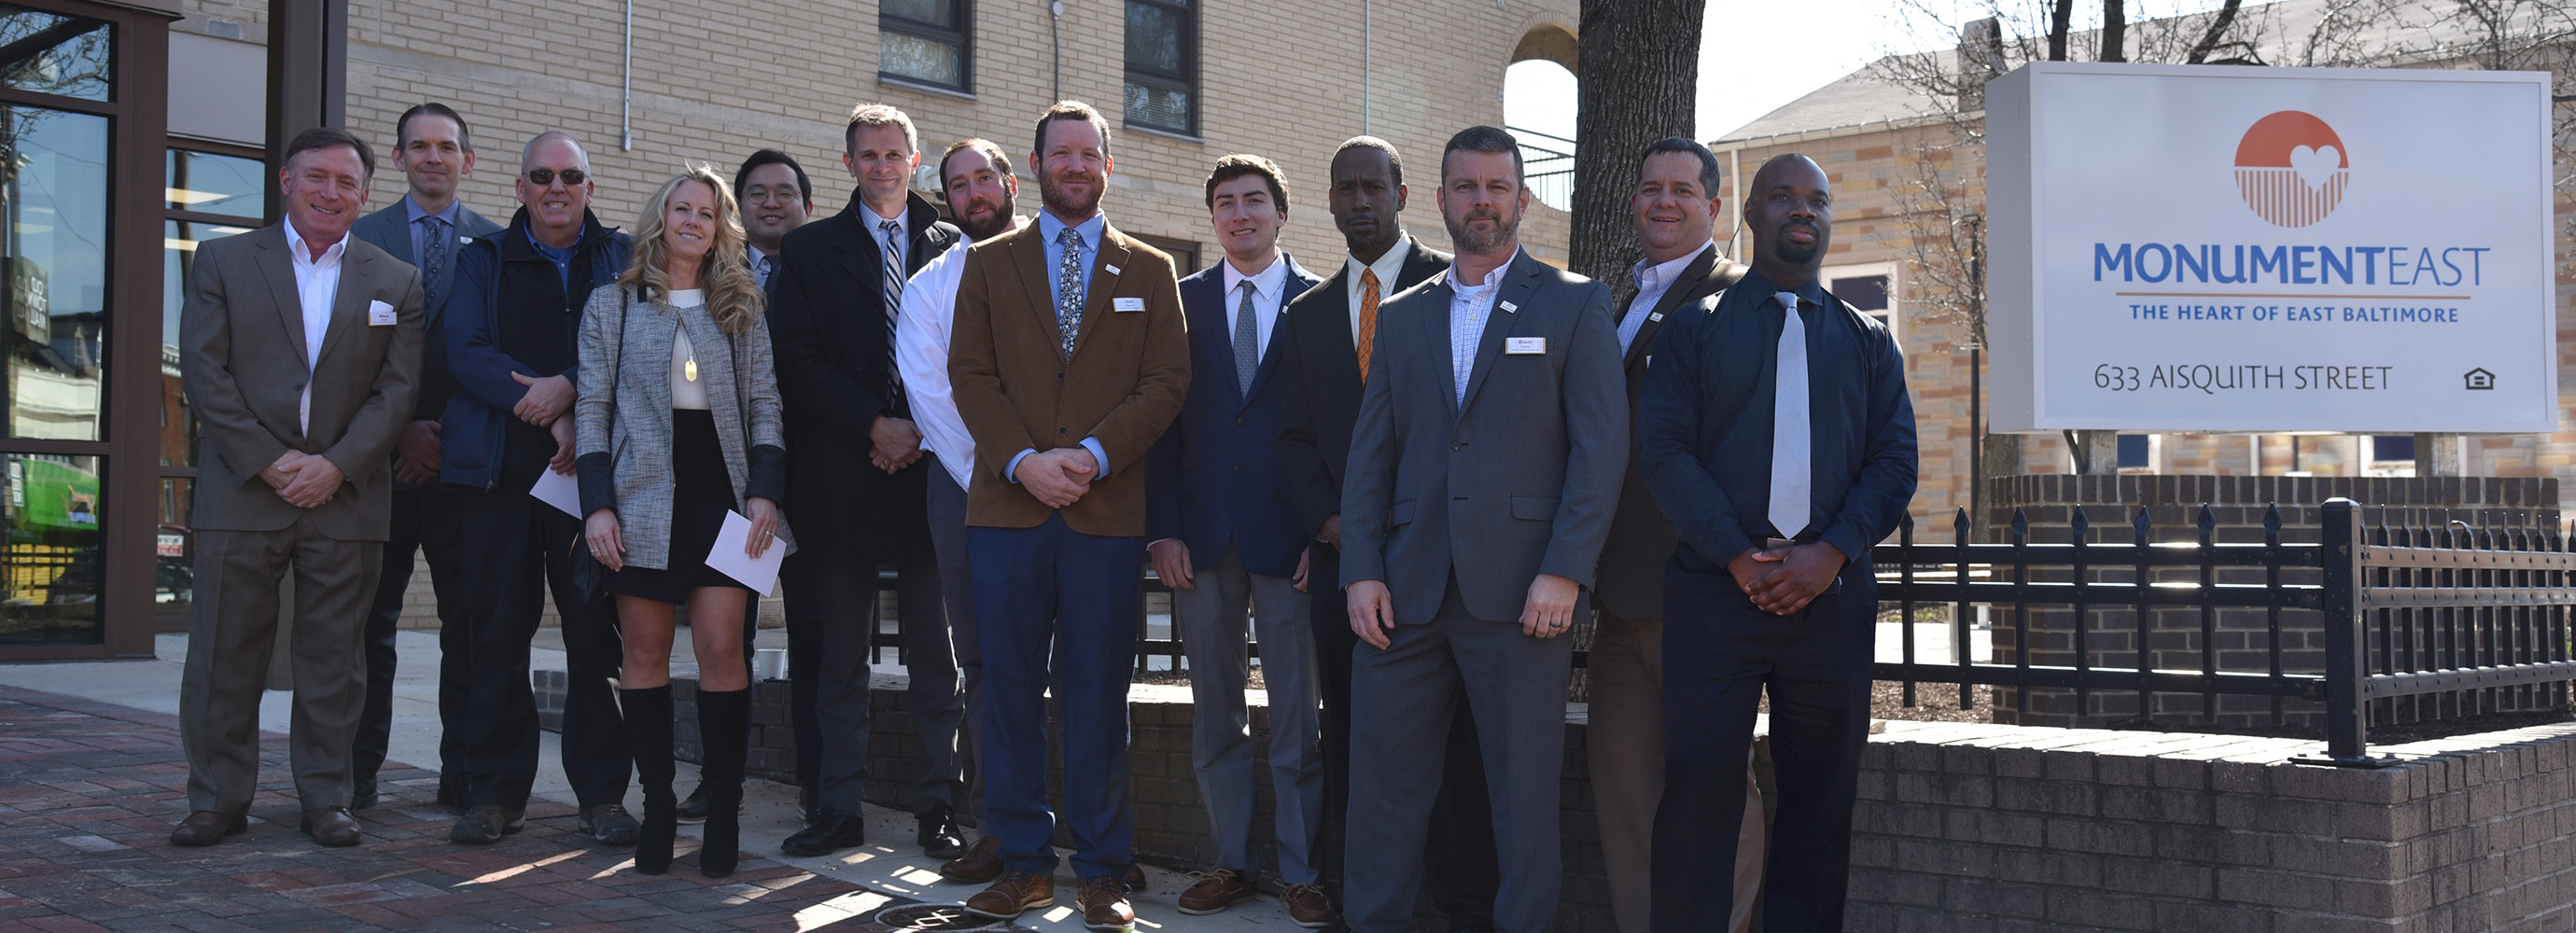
(1652, 282)
(317, 283)
(1470, 308)
(921, 337)
(1387, 266)
(1267, 285)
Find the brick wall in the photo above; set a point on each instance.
(2238, 505)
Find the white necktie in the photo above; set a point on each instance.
(1791, 498)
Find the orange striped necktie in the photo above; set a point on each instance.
(1368, 318)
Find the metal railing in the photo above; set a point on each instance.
(1547, 166)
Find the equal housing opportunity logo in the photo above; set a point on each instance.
(2291, 168)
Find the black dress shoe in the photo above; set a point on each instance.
(693, 810)
(609, 824)
(207, 827)
(485, 823)
(938, 835)
(831, 831)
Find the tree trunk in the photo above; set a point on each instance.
(1639, 82)
(2218, 26)
(2115, 31)
(2061, 20)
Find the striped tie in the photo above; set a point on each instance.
(893, 241)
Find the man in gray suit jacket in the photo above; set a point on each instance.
(1484, 470)
(434, 150)
(300, 352)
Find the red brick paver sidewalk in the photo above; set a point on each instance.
(89, 791)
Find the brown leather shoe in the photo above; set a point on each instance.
(331, 826)
(1015, 892)
(205, 828)
(1133, 876)
(1308, 907)
(1216, 891)
(980, 864)
(1103, 902)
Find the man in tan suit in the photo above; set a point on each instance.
(300, 352)
(1069, 360)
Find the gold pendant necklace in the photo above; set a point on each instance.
(689, 370)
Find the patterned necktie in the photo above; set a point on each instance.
(1068, 287)
(433, 258)
(1791, 499)
(1368, 319)
(1247, 341)
(893, 230)
(768, 267)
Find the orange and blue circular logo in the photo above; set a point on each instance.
(2292, 168)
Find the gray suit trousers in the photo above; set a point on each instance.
(947, 506)
(1515, 686)
(1211, 617)
(232, 629)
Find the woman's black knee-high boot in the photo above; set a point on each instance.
(648, 732)
(724, 724)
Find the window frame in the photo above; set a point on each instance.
(1891, 315)
(1187, 81)
(963, 37)
(1184, 253)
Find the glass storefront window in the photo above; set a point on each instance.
(179, 239)
(54, 54)
(52, 558)
(53, 244)
(206, 183)
(174, 578)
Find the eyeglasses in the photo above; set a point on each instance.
(546, 176)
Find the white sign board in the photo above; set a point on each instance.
(2205, 248)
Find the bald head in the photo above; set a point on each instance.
(1789, 208)
(554, 186)
(556, 141)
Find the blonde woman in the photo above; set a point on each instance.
(678, 423)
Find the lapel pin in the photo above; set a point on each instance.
(1658, 315)
(1112, 270)
(1510, 307)
(464, 239)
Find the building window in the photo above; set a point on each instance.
(2386, 448)
(1163, 65)
(1184, 253)
(2137, 452)
(208, 195)
(1870, 289)
(927, 42)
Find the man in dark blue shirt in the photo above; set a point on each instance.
(1782, 454)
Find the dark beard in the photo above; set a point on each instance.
(999, 224)
(1795, 254)
(1056, 203)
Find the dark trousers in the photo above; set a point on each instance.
(947, 507)
(1720, 655)
(424, 520)
(832, 615)
(521, 548)
(1053, 586)
(1458, 856)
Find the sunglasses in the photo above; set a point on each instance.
(546, 176)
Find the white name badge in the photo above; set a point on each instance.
(1112, 270)
(1519, 346)
(380, 314)
(1127, 304)
(1509, 307)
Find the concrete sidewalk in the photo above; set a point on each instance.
(51, 773)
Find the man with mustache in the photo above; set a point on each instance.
(854, 466)
(1227, 543)
(1070, 359)
(434, 150)
(1775, 431)
(975, 179)
(511, 331)
(1483, 472)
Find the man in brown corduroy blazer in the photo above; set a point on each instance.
(1068, 361)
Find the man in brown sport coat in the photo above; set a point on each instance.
(1069, 360)
(300, 352)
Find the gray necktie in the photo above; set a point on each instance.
(1068, 287)
(893, 298)
(433, 258)
(1247, 341)
(1792, 500)
(768, 267)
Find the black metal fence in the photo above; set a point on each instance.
(2448, 621)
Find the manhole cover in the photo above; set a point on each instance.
(934, 917)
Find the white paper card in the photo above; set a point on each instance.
(759, 573)
(555, 489)
(1518, 346)
(380, 314)
(1127, 304)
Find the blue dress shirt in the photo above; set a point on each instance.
(1049, 228)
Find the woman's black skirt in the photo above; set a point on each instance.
(704, 495)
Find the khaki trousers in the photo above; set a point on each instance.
(1626, 742)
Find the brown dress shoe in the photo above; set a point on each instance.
(1015, 892)
(331, 826)
(1308, 907)
(1216, 891)
(1103, 902)
(980, 864)
(205, 828)
(1133, 876)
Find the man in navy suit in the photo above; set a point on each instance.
(427, 228)
(1226, 539)
(1782, 454)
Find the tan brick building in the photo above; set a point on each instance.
(1884, 140)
